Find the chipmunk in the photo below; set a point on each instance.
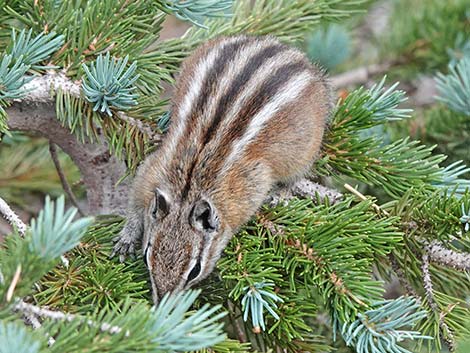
(248, 113)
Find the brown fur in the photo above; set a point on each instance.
(189, 167)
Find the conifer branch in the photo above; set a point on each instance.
(381, 328)
(307, 189)
(16, 338)
(99, 170)
(338, 283)
(32, 51)
(12, 217)
(401, 276)
(144, 128)
(438, 253)
(238, 329)
(31, 320)
(454, 88)
(446, 333)
(12, 78)
(195, 11)
(108, 83)
(36, 312)
(39, 89)
(255, 299)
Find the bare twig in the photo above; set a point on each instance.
(362, 197)
(438, 253)
(141, 126)
(14, 282)
(401, 276)
(63, 179)
(40, 87)
(427, 282)
(360, 75)
(32, 320)
(30, 309)
(446, 333)
(12, 217)
(233, 317)
(306, 188)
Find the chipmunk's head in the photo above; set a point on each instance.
(182, 242)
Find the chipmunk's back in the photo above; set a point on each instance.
(244, 103)
(241, 101)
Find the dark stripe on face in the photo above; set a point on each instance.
(238, 84)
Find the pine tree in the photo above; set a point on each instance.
(306, 273)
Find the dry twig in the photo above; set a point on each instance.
(14, 282)
(359, 75)
(63, 179)
(362, 197)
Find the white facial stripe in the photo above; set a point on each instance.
(202, 69)
(286, 94)
(148, 256)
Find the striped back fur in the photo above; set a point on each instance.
(234, 93)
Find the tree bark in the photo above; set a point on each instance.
(100, 170)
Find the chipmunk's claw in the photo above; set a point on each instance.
(124, 245)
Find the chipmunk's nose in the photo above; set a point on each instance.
(156, 299)
(158, 295)
(164, 288)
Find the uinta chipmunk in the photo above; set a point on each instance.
(248, 113)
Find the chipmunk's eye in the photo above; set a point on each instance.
(194, 272)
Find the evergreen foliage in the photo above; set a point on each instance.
(194, 11)
(295, 268)
(379, 329)
(15, 338)
(424, 38)
(12, 78)
(256, 300)
(329, 46)
(454, 88)
(31, 51)
(108, 85)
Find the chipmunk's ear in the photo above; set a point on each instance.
(204, 217)
(160, 204)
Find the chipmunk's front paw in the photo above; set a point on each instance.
(124, 245)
